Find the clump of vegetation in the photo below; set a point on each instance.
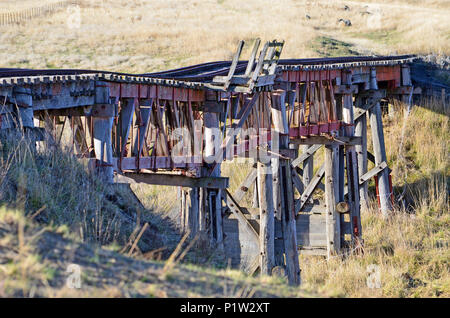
(410, 249)
(54, 187)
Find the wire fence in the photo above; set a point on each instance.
(9, 18)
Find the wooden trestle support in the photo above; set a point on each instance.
(177, 133)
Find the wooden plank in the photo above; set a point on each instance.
(234, 63)
(373, 172)
(309, 189)
(259, 65)
(266, 212)
(322, 140)
(211, 107)
(245, 185)
(175, 180)
(332, 217)
(345, 89)
(236, 210)
(306, 154)
(144, 112)
(297, 181)
(251, 61)
(125, 121)
(361, 150)
(287, 191)
(376, 124)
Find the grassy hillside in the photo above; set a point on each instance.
(35, 260)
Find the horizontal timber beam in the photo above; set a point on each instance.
(373, 172)
(173, 180)
(322, 140)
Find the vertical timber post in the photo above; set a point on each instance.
(376, 125)
(24, 102)
(213, 196)
(406, 81)
(267, 219)
(288, 219)
(352, 162)
(332, 217)
(102, 128)
(308, 166)
(361, 150)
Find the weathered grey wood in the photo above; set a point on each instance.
(311, 230)
(245, 185)
(241, 246)
(251, 61)
(307, 152)
(310, 189)
(103, 146)
(194, 211)
(297, 181)
(322, 140)
(373, 172)
(24, 102)
(217, 201)
(212, 142)
(173, 180)
(352, 167)
(288, 222)
(267, 219)
(102, 135)
(202, 212)
(406, 81)
(74, 94)
(259, 65)
(361, 150)
(308, 164)
(255, 199)
(371, 98)
(125, 120)
(376, 125)
(332, 217)
(278, 206)
(236, 210)
(145, 112)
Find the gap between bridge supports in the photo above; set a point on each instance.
(376, 125)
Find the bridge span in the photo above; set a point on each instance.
(175, 128)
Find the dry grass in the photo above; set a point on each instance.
(411, 248)
(144, 36)
(34, 261)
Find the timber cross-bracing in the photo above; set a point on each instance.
(175, 128)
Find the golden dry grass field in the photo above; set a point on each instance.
(143, 36)
(411, 248)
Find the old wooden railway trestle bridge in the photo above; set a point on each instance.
(128, 128)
